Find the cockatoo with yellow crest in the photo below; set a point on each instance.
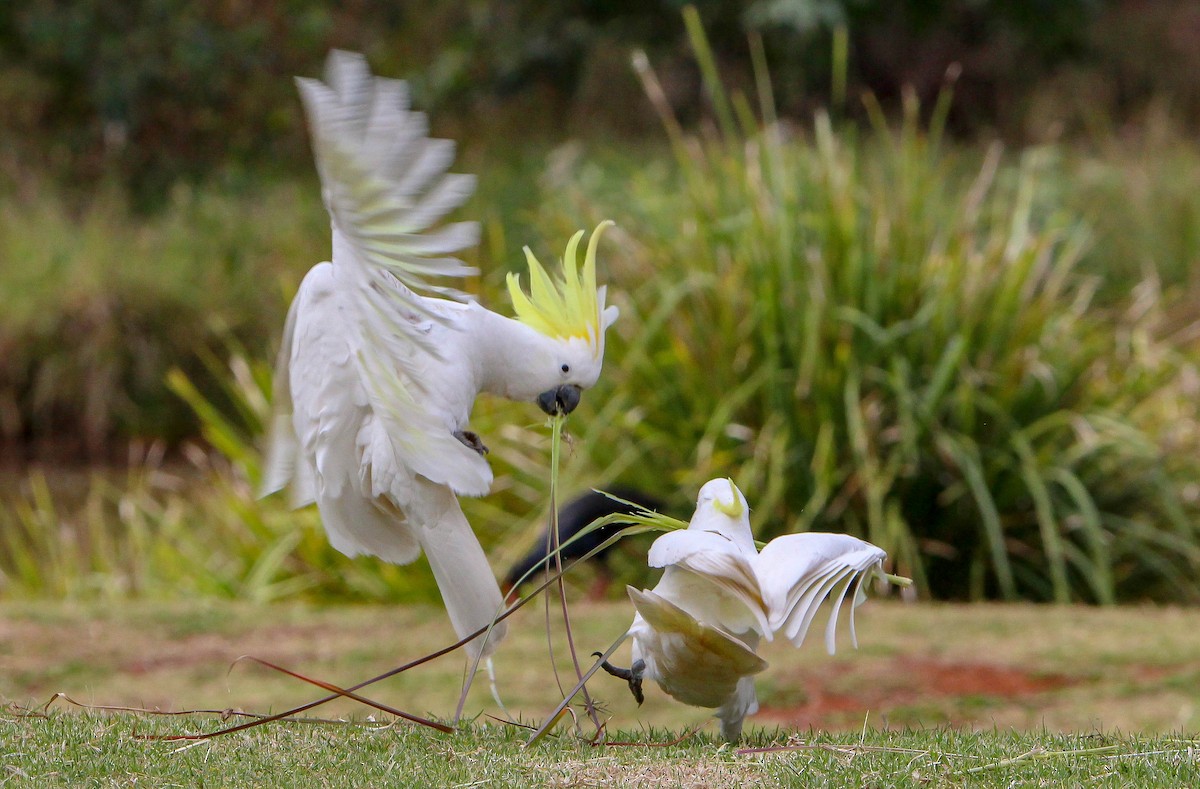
(380, 367)
(697, 632)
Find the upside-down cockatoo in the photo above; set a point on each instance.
(697, 632)
(375, 382)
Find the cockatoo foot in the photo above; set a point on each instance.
(471, 440)
(632, 675)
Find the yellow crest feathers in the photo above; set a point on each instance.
(734, 510)
(569, 307)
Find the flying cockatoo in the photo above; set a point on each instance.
(697, 632)
(375, 382)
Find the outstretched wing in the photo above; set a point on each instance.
(385, 181)
(797, 572)
(386, 187)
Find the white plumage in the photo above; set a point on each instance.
(375, 382)
(698, 630)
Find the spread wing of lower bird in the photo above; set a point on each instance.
(798, 572)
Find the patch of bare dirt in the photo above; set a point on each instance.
(847, 691)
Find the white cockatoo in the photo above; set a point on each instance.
(375, 382)
(696, 633)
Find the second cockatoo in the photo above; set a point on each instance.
(697, 632)
(375, 382)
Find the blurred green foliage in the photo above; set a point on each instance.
(986, 362)
(96, 305)
(870, 329)
(149, 91)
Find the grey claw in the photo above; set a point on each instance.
(471, 440)
(632, 675)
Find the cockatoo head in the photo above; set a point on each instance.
(723, 496)
(721, 508)
(570, 314)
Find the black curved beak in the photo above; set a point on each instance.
(561, 400)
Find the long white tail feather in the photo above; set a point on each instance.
(467, 583)
(744, 702)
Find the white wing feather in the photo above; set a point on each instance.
(283, 460)
(676, 546)
(384, 180)
(411, 436)
(797, 572)
(320, 393)
(702, 652)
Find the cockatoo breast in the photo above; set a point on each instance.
(690, 675)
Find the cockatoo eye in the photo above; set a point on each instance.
(566, 368)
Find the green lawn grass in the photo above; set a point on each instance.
(78, 750)
(1104, 696)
